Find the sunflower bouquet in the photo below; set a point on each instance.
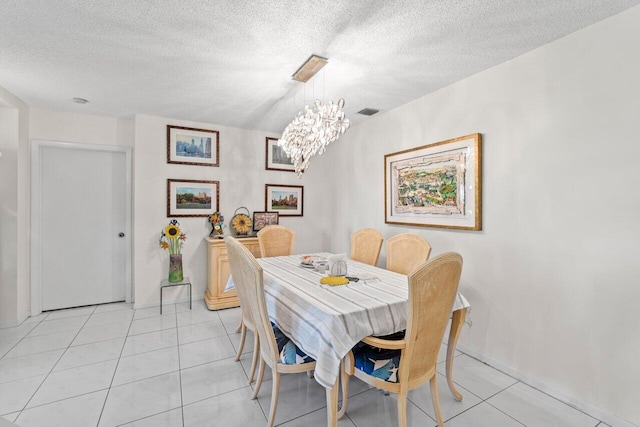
(172, 238)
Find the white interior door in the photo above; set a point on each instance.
(82, 226)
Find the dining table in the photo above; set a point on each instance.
(327, 321)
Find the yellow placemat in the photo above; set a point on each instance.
(334, 280)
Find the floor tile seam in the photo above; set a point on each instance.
(471, 407)
(141, 379)
(63, 399)
(106, 398)
(55, 332)
(21, 379)
(153, 330)
(123, 356)
(179, 365)
(200, 340)
(40, 352)
(69, 345)
(304, 415)
(149, 416)
(83, 365)
(19, 341)
(506, 413)
(499, 409)
(8, 350)
(208, 362)
(185, 324)
(218, 395)
(53, 367)
(552, 397)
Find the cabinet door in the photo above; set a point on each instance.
(223, 276)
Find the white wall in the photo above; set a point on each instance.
(13, 233)
(553, 275)
(242, 178)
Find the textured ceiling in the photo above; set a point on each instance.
(230, 62)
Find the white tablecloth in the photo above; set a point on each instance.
(327, 321)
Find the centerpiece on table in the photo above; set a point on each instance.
(173, 239)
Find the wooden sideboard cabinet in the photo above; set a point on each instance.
(218, 272)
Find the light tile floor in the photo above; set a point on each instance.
(110, 365)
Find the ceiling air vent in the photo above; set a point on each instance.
(368, 111)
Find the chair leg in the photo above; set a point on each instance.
(436, 400)
(310, 373)
(256, 355)
(259, 380)
(239, 326)
(243, 329)
(344, 383)
(275, 389)
(402, 407)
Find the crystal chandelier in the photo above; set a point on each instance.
(311, 131)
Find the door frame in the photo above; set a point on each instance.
(36, 213)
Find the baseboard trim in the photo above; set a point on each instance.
(13, 323)
(588, 409)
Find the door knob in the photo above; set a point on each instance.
(121, 234)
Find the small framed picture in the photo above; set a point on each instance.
(191, 146)
(192, 198)
(262, 219)
(276, 158)
(287, 200)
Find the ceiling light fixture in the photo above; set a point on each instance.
(309, 69)
(314, 128)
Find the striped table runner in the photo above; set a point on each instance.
(327, 321)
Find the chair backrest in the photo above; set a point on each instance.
(365, 245)
(432, 290)
(247, 276)
(405, 252)
(276, 240)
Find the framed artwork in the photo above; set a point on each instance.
(436, 185)
(286, 200)
(276, 158)
(191, 146)
(192, 198)
(262, 219)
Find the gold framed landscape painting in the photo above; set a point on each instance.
(436, 185)
(186, 198)
(191, 146)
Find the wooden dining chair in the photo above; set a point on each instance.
(247, 324)
(399, 365)
(276, 240)
(365, 245)
(276, 349)
(406, 251)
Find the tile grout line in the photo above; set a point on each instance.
(54, 365)
(106, 398)
(179, 367)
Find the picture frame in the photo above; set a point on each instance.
(187, 198)
(262, 219)
(287, 200)
(275, 157)
(436, 185)
(191, 146)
